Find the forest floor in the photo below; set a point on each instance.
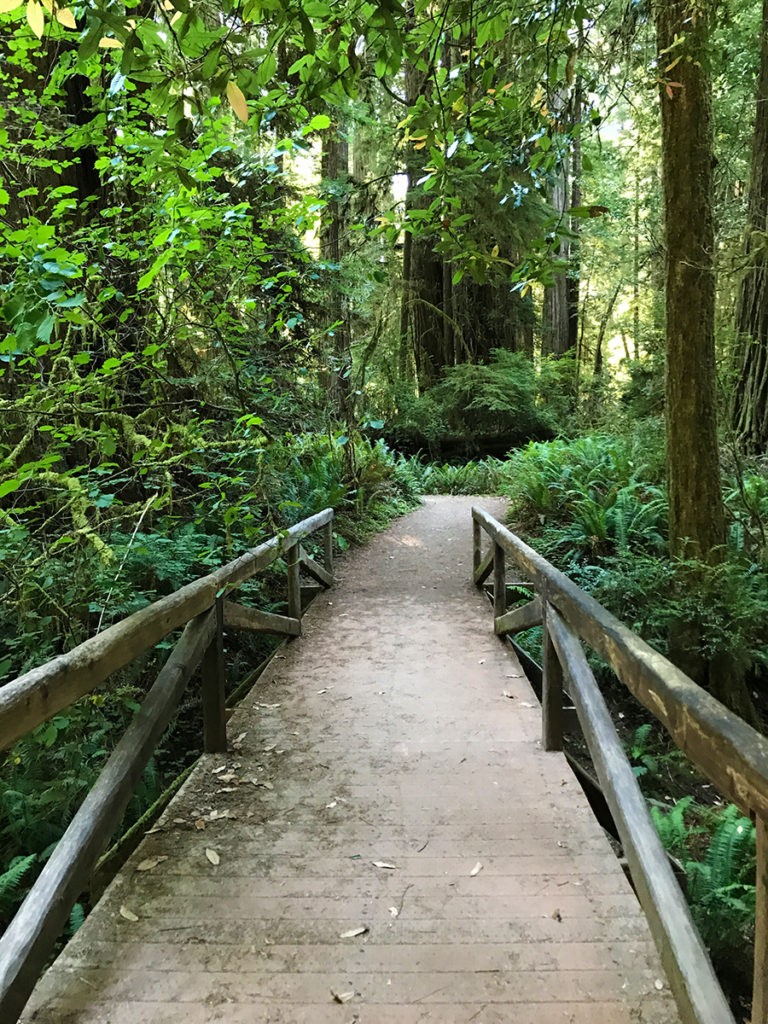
(385, 834)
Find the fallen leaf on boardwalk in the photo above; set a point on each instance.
(200, 824)
(237, 743)
(506, 693)
(481, 662)
(394, 911)
(229, 777)
(525, 704)
(127, 914)
(263, 785)
(659, 984)
(556, 915)
(476, 870)
(149, 863)
(179, 821)
(221, 768)
(330, 805)
(354, 932)
(216, 815)
(212, 856)
(383, 864)
(342, 997)
(322, 691)
(228, 789)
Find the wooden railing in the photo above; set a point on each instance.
(732, 754)
(202, 609)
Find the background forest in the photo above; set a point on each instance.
(259, 258)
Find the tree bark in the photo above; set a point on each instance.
(750, 406)
(335, 172)
(696, 513)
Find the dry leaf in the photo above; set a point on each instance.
(149, 863)
(237, 101)
(383, 864)
(321, 691)
(212, 856)
(65, 17)
(221, 768)
(330, 805)
(556, 915)
(476, 870)
(200, 824)
(36, 18)
(658, 984)
(481, 662)
(394, 911)
(506, 693)
(342, 997)
(127, 914)
(525, 704)
(354, 932)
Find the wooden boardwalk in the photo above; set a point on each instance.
(380, 780)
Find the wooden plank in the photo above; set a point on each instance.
(525, 617)
(689, 971)
(722, 745)
(499, 581)
(484, 568)
(237, 616)
(29, 939)
(315, 570)
(760, 985)
(477, 550)
(328, 546)
(40, 693)
(214, 676)
(551, 694)
(293, 563)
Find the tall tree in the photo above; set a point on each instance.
(696, 513)
(750, 406)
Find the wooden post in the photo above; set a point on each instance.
(477, 550)
(499, 581)
(551, 694)
(214, 675)
(292, 557)
(760, 986)
(328, 546)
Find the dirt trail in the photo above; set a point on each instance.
(381, 781)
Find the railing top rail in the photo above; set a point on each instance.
(32, 698)
(730, 752)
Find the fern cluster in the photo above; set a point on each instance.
(721, 886)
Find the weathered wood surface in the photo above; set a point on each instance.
(315, 571)
(731, 753)
(213, 686)
(27, 943)
(484, 568)
(237, 616)
(382, 735)
(519, 619)
(37, 695)
(699, 996)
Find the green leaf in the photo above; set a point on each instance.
(319, 122)
(8, 486)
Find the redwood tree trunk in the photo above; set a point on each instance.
(335, 172)
(696, 514)
(750, 408)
